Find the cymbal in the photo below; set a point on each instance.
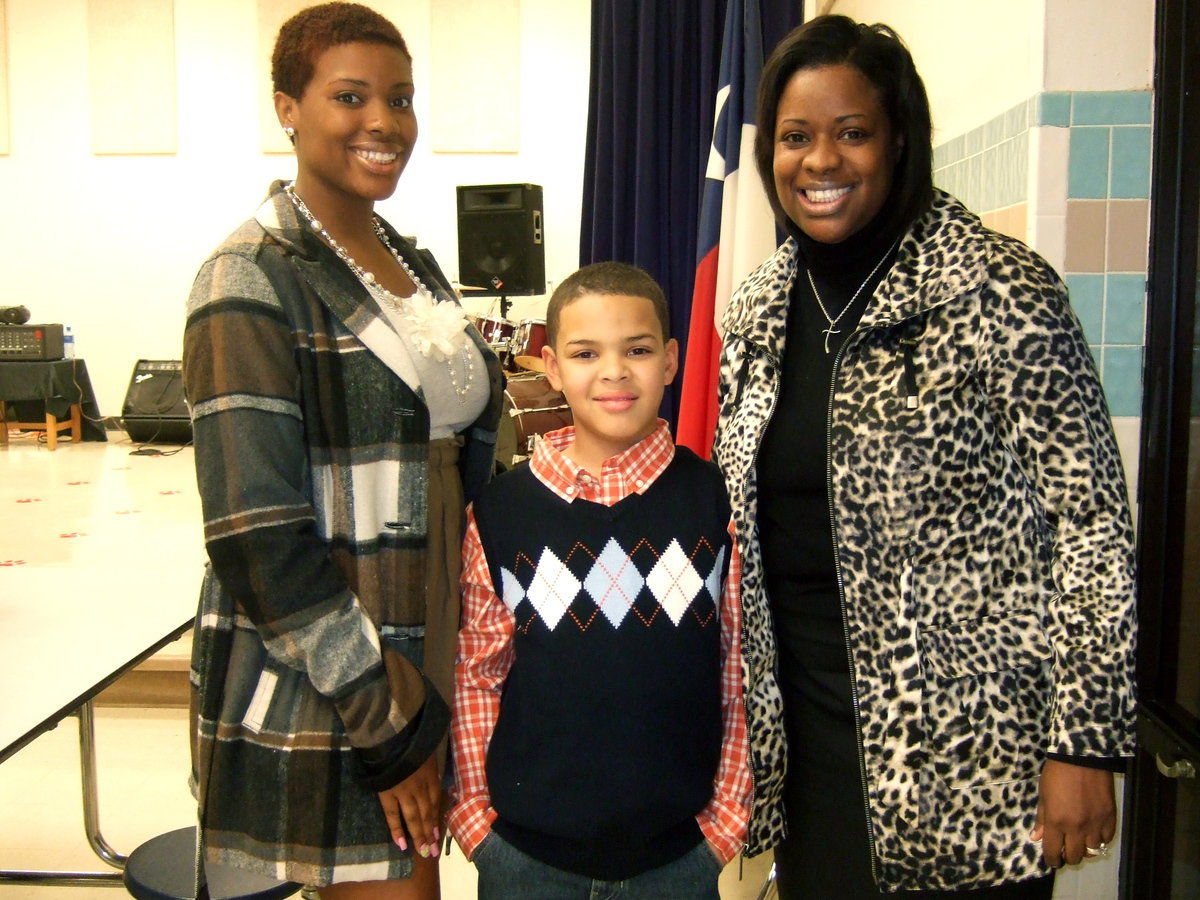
(533, 363)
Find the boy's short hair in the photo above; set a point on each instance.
(606, 278)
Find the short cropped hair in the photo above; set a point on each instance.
(606, 278)
(312, 31)
(881, 56)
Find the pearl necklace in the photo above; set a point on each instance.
(833, 320)
(437, 328)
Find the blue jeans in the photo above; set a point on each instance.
(505, 873)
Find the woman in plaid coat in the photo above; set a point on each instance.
(343, 411)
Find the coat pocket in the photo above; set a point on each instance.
(987, 698)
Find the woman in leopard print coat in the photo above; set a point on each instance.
(942, 483)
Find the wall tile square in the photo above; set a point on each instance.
(973, 183)
(1130, 175)
(1048, 236)
(1088, 167)
(993, 132)
(1110, 108)
(1086, 230)
(954, 178)
(1016, 119)
(1014, 221)
(1020, 151)
(957, 148)
(973, 141)
(1125, 309)
(1020, 222)
(1054, 109)
(1122, 377)
(1047, 174)
(1128, 235)
(985, 180)
(957, 174)
(1087, 299)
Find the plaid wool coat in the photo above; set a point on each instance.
(311, 441)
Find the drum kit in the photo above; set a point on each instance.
(531, 406)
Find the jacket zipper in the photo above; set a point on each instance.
(912, 398)
(837, 567)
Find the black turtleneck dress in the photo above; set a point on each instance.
(827, 852)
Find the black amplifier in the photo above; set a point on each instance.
(155, 407)
(31, 342)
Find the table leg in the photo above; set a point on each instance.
(3, 423)
(76, 424)
(91, 806)
(51, 432)
(91, 823)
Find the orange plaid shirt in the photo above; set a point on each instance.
(485, 651)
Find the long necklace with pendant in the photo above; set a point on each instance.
(833, 320)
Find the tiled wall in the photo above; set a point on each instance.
(1069, 173)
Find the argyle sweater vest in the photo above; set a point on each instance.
(609, 734)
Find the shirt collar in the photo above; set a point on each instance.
(630, 472)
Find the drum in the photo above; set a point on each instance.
(527, 344)
(498, 333)
(531, 408)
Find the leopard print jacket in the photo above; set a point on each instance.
(984, 547)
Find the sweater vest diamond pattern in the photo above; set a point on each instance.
(676, 579)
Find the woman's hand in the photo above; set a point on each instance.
(1077, 812)
(415, 804)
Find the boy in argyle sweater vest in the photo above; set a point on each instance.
(599, 735)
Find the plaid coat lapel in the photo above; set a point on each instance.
(337, 287)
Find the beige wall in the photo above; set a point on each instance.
(959, 47)
(981, 57)
(1100, 45)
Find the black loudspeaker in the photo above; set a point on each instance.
(500, 242)
(14, 315)
(155, 408)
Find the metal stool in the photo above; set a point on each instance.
(163, 868)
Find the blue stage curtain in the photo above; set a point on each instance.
(654, 73)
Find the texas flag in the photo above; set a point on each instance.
(737, 229)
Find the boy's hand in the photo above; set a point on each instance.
(415, 804)
(1077, 812)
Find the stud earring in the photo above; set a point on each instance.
(289, 131)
